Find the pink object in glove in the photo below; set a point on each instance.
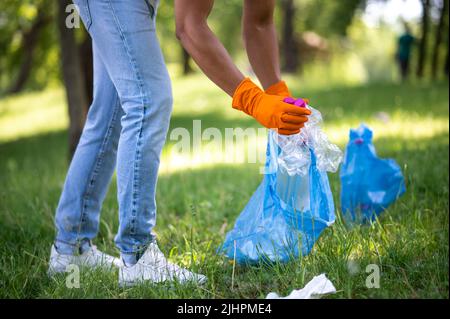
(300, 103)
(296, 102)
(289, 100)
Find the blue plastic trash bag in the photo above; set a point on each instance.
(369, 184)
(288, 211)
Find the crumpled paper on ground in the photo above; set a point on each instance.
(315, 289)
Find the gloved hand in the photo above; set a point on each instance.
(279, 89)
(269, 110)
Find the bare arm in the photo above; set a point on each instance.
(204, 47)
(260, 40)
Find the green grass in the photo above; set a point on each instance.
(199, 200)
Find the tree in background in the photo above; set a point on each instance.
(37, 49)
(447, 63)
(440, 29)
(73, 77)
(327, 18)
(330, 18)
(87, 64)
(426, 6)
(30, 40)
(289, 41)
(434, 18)
(166, 30)
(187, 68)
(25, 40)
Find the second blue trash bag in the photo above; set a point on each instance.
(284, 217)
(369, 184)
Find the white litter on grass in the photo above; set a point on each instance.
(315, 289)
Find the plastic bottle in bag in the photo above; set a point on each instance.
(295, 156)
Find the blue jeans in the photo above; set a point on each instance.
(127, 124)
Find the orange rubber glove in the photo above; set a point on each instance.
(279, 89)
(269, 110)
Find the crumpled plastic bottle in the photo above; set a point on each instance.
(295, 156)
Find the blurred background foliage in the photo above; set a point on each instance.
(321, 30)
(324, 42)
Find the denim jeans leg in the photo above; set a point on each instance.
(125, 35)
(92, 167)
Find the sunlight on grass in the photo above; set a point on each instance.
(36, 113)
(251, 150)
(32, 113)
(403, 125)
(399, 129)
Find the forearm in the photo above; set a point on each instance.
(260, 40)
(203, 46)
(268, 109)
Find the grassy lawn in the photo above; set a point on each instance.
(199, 198)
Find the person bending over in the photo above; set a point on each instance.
(129, 118)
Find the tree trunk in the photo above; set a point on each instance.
(87, 65)
(29, 42)
(439, 37)
(73, 78)
(187, 69)
(289, 43)
(447, 63)
(424, 41)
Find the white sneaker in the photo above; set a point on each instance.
(153, 267)
(92, 258)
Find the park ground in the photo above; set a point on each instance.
(198, 200)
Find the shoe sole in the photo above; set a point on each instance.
(51, 272)
(128, 284)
